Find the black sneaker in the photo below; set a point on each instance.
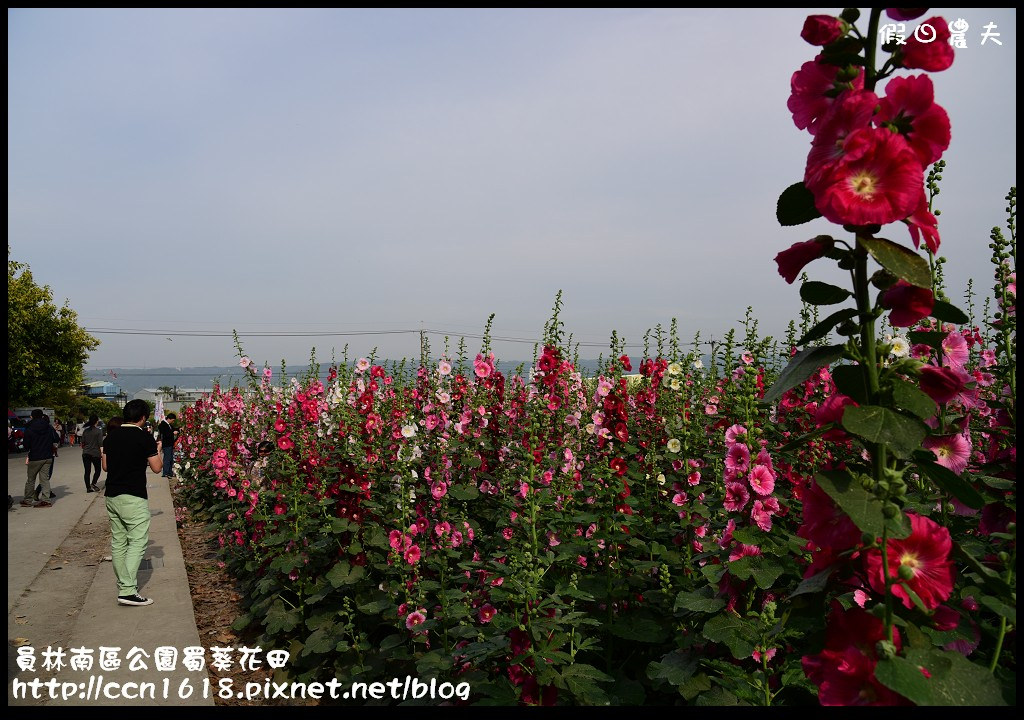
(95, 487)
(135, 599)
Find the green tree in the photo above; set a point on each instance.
(46, 347)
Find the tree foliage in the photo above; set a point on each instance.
(46, 346)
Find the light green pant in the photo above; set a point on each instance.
(129, 537)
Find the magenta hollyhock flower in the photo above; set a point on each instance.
(285, 442)
(851, 111)
(954, 350)
(877, 181)
(737, 459)
(679, 499)
(923, 224)
(924, 557)
(831, 409)
(487, 613)
(415, 618)
(943, 384)
(909, 107)
(481, 368)
(810, 89)
(742, 551)
(824, 523)
(412, 555)
(908, 303)
(951, 451)
(903, 14)
(762, 480)
(760, 515)
(934, 55)
(735, 434)
(736, 497)
(822, 29)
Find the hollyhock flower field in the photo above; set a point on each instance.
(826, 519)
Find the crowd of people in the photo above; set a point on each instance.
(123, 449)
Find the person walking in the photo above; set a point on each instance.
(167, 433)
(92, 442)
(39, 440)
(127, 451)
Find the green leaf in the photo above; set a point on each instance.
(340, 525)
(278, 619)
(734, 632)
(815, 583)
(999, 608)
(375, 607)
(320, 642)
(954, 680)
(583, 670)
(801, 367)
(825, 326)
(948, 313)
(861, 505)
(344, 574)
(796, 206)
(702, 600)
(464, 492)
(850, 381)
(241, 622)
(901, 434)
(899, 260)
(638, 629)
(675, 668)
(814, 292)
(929, 338)
(907, 396)
(950, 482)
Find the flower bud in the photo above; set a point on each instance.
(883, 279)
(885, 649)
(867, 539)
(905, 572)
(890, 510)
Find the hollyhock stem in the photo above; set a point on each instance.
(871, 47)
(1002, 626)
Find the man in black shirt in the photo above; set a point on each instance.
(127, 451)
(39, 438)
(166, 430)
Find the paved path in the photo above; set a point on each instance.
(61, 594)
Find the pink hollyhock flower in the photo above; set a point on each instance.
(902, 14)
(412, 555)
(245, 362)
(742, 551)
(415, 618)
(362, 365)
(810, 90)
(954, 350)
(923, 224)
(267, 373)
(878, 180)
(736, 497)
(822, 29)
(481, 368)
(924, 557)
(767, 655)
(824, 523)
(737, 459)
(761, 517)
(908, 303)
(735, 434)
(951, 451)
(943, 384)
(909, 108)
(439, 489)
(934, 55)
(762, 480)
(679, 499)
(487, 613)
(444, 368)
(507, 533)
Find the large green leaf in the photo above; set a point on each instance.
(899, 260)
(909, 397)
(801, 367)
(901, 434)
(850, 381)
(945, 312)
(861, 505)
(702, 600)
(952, 483)
(344, 574)
(734, 632)
(815, 583)
(638, 629)
(815, 292)
(824, 327)
(796, 206)
(675, 668)
(278, 619)
(951, 679)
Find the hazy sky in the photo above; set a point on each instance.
(386, 170)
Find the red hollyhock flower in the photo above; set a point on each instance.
(618, 465)
(921, 561)
(923, 224)
(933, 56)
(943, 384)
(621, 432)
(810, 87)
(908, 303)
(626, 365)
(793, 260)
(878, 180)
(824, 523)
(852, 111)
(909, 107)
(822, 29)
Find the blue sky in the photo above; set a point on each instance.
(365, 170)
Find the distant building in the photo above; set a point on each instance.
(102, 390)
(174, 398)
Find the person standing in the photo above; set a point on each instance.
(127, 451)
(39, 440)
(167, 433)
(92, 442)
